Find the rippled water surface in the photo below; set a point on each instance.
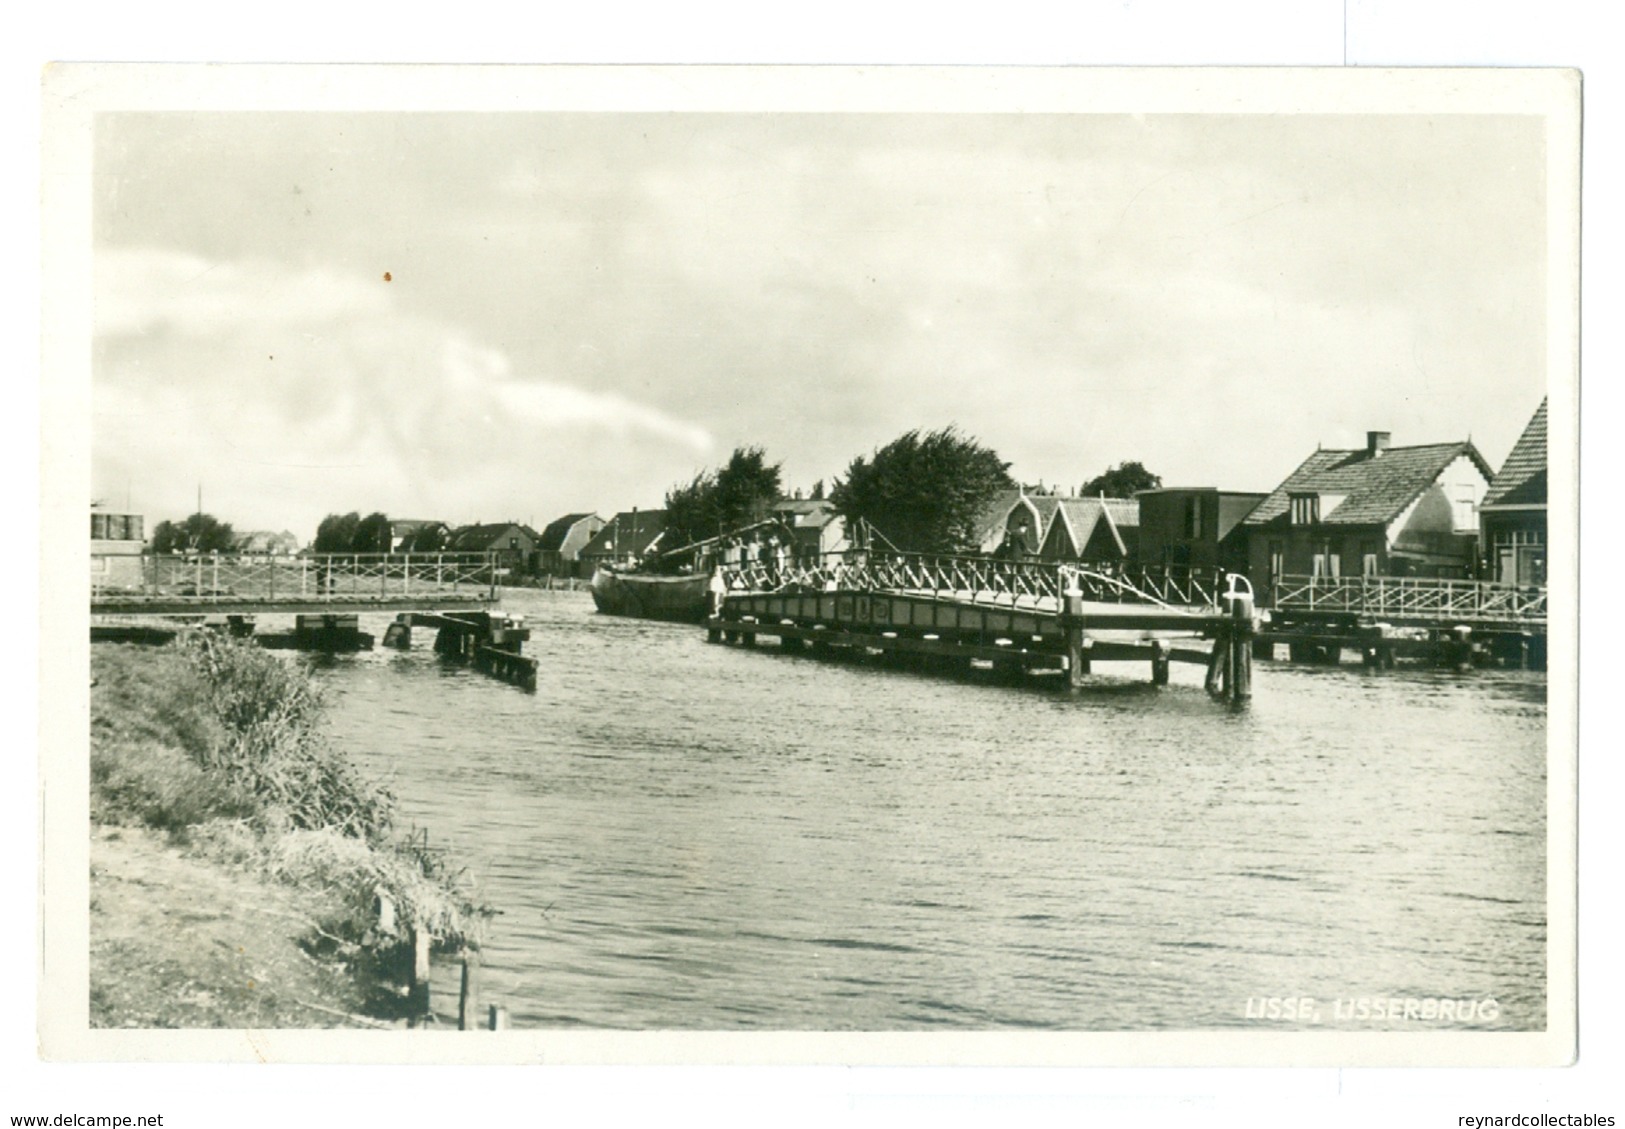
(692, 836)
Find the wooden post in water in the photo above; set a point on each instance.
(498, 1020)
(1074, 623)
(1218, 664)
(1461, 648)
(1241, 648)
(468, 1000)
(1159, 662)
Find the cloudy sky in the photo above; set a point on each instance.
(491, 316)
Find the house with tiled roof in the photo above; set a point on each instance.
(418, 535)
(513, 542)
(1092, 530)
(815, 528)
(1372, 511)
(1513, 514)
(559, 548)
(626, 538)
(1195, 527)
(1014, 521)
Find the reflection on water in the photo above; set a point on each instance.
(689, 836)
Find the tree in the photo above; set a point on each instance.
(336, 533)
(430, 538)
(925, 493)
(1122, 481)
(372, 535)
(714, 501)
(202, 533)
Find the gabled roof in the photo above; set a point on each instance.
(1374, 489)
(475, 538)
(990, 524)
(631, 531)
(805, 513)
(1080, 516)
(553, 535)
(1522, 480)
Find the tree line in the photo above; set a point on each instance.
(925, 491)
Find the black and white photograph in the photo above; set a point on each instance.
(747, 566)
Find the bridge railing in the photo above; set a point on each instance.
(1410, 598)
(979, 579)
(329, 577)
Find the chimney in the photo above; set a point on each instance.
(1376, 442)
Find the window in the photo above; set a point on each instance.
(1277, 560)
(1193, 518)
(1369, 558)
(1305, 509)
(1325, 561)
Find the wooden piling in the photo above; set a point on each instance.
(418, 990)
(1077, 646)
(1461, 648)
(1218, 667)
(1159, 662)
(1241, 648)
(468, 1000)
(498, 1020)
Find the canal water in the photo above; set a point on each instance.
(687, 836)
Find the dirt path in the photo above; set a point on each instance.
(178, 942)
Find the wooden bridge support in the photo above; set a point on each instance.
(399, 633)
(1078, 643)
(1460, 648)
(1241, 649)
(492, 644)
(1159, 662)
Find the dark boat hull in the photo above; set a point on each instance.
(681, 599)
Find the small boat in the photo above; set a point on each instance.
(650, 596)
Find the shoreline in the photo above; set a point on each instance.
(243, 873)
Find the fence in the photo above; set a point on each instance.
(333, 577)
(1410, 598)
(979, 579)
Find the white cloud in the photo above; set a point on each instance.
(317, 384)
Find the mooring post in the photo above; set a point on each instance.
(1218, 663)
(1159, 662)
(498, 1020)
(418, 996)
(1074, 623)
(468, 1001)
(1241, 647)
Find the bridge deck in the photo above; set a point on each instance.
(251, 605)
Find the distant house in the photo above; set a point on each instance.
(410, 534)
(562, 541)
(815, 527)
(262, 542)
(1376, 511)
(1092, 530)
(1054, 527)
(1513, 513)
(1014, 522)
(625, 539)
(1195, 527)
(513, 542)
(116, 541)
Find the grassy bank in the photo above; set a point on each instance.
(239, 862)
